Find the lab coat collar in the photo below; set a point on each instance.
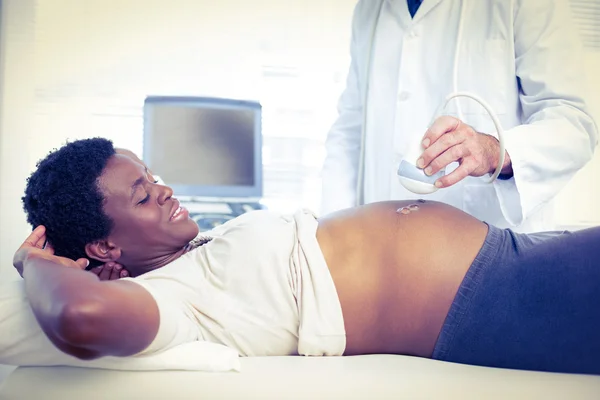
(424, 8)
(400, 9)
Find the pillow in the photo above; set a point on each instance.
(23, 343)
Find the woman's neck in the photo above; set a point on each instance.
(147, 265)
(140, 268)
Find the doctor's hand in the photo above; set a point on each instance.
(449, 140)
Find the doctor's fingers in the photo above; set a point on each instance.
(470, 152)
(454, 153)
(443, 144)
(466, 167)
(440, 126)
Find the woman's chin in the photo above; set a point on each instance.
(195, 229)
(191, 232)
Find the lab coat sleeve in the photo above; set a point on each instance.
(558, 136)
(343, 144)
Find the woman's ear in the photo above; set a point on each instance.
(103, 251)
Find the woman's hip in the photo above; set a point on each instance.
(528, 302)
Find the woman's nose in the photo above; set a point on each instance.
(164, 193)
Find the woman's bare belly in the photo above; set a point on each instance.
(397, 274)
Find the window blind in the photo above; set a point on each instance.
(587, 18)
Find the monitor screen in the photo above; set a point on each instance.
(205, 147)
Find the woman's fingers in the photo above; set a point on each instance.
(82, 263)
(36, 238)
(49, 248)
(110, 271)
(116, 272)
(106, 271)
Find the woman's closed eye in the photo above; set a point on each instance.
(144, 200)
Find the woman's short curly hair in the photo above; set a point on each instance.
(64, 196)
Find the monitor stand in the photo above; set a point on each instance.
(210, 212)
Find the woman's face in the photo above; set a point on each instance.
(148, 222)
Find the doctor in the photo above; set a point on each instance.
(522, 57)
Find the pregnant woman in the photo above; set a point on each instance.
(414, 278)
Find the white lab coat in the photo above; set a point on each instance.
(523, 57)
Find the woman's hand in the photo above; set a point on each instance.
(35, 246)
(110, 271)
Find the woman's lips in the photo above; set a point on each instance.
(179, 214)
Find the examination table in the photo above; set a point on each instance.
(358, 377)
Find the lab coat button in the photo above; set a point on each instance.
(412, 34)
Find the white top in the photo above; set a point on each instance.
(261, 287)
(505, 53)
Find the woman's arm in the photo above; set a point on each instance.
(80, 314)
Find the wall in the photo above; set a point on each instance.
(17, 140)
(72, 68)
(76, 69)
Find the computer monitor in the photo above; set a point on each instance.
(205, 147)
